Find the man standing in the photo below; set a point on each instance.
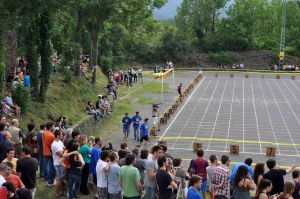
(151, 169)
(95, 156)
(2, 173)
(199, 165)
(179, 89)
(113, 175)
(10, 177)
(144, 132)
(40, 149)
(276, 176)
(136, 126)
(130, 179)
(15, 133)
(27, 168)
(101, 169)
(48, 138)
(10, 157)
(57, 148)
(126, 125)
(220, 180)
(5, 144)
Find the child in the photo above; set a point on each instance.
(195, 185)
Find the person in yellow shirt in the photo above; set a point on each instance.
(10, 157)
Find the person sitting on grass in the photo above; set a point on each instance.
(9, 102)
(90, 109)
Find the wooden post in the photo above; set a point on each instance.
(196, 146)
(271, 151)
(234, 149)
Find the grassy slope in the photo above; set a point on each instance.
(65, 100)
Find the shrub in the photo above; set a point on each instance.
(22, 97)
(221, 58)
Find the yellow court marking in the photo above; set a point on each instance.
(253, 164)
(223, 140)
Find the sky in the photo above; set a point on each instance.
(169, 10)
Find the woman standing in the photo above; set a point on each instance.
(288, 190)
(243, 184)
(85, 151)
(264, 188)
(259, 171)
(76, 164)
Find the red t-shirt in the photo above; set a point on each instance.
(15, 180)
(48, 138)
(199, 165)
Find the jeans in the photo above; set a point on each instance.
(221, 197)
(49, 170)
(84, 179)
(149, 192)
(136, 131)
(73, 180)
(41, 164)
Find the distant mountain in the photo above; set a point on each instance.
(168, 11)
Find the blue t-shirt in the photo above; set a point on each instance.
(27, 81)
(236, 167)
(193, 194)
(95, 156)
(126, 122)
(144, 129)
(113, 179)
(136, 119)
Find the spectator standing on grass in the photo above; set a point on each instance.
(276, 176)
(27, 81)
(2, 173)
(246, 163)
(15, 132)
(76, 164)
(151, 169)
(243, 184)
(220, 180)
(126, 125)
(101, 169)
(181, 175)
(40, 149)
(57, 149)
(139, 163)
(26, 169)
(10, 177)
(264, 189)
(85, 151)
(199, 165)
(95, 156)
(5, 144)
(296, 179)
(48, 138)
(210, 172)
(130, 179)
(288, 190)
(10, 190)
(113, 175)
(195, 185)
(136, 125)
(31, 140)
(10, 157)
(165, 183)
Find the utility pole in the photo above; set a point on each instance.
(282, 35)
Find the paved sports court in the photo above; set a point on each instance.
(253, 113)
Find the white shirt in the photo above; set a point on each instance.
(101, 176)
(2, 180)
(56, 146)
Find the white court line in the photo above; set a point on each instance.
(258, 133)
(203, 78)
(229, 123)
(290, 91)
(204, 114)
(191, 113)
(243, 115)
(291, 109)
(250, 153)
(283, 119)
(270, 120)
(212, 134)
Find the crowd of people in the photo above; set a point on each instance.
(69, 160)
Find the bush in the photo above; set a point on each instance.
(67, 74)
(22, 98)
(221, 58)
(105, 63)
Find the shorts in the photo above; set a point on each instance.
(203, 186)
(59, 172)
(102, 193)
(126, 130)
(144, 137)
(95, 179)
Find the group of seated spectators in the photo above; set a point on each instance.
(69, 160)
(8, 107)
(101, 109)
(19, 75)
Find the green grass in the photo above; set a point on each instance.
(65, 100)
(155, 87)
(144, 100)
